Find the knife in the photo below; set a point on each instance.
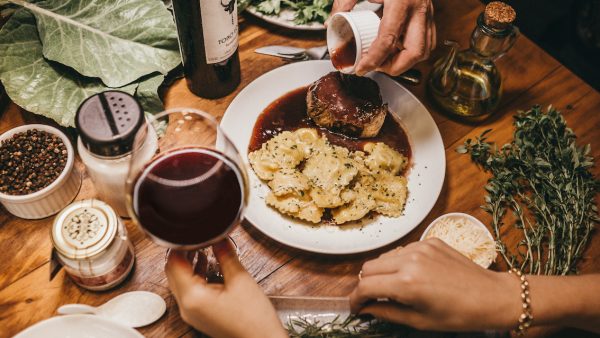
(286, 52)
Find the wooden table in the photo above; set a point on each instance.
(531, 76)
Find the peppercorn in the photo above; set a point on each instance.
(30, 161)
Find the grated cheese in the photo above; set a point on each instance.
(466, 237)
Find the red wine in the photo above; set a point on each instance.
(344, 56)
(188, 197)
(208, 39)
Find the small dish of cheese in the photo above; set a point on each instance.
(466, 234)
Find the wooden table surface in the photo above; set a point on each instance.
(530, 77)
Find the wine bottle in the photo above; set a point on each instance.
(208, 40)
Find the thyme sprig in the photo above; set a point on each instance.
(544, 178)
(351, 326)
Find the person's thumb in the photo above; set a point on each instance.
(180, 273)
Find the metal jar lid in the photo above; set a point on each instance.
(84, 229)
(107, 122)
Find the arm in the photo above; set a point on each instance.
(432, 286)
(572, 301)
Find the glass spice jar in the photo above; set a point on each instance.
(107, 123)
(467, 84)
(91, 243)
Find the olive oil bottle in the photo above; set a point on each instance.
(467, 83)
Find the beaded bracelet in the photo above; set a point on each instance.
(526, 317)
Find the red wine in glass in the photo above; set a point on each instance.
(189, 197)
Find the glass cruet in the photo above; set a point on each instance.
(467, 83)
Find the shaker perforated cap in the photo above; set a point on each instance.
(84, 229)
(107, 122)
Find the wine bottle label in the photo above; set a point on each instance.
(220, 29)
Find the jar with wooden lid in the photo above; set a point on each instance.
(91, 243)
(467, 84)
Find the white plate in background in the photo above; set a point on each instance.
(425, 176)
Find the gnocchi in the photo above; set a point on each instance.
(307, 176)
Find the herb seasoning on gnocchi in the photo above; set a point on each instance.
(308, 175)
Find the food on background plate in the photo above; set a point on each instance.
(304, 11)
(309, 177)
(347, 104)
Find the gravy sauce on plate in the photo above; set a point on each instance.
(288, 113)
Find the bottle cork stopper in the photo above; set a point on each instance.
(499, 15)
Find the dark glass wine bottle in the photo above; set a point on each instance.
(208, 39)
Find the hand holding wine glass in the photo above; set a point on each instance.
(237, 308)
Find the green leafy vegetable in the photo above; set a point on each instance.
(147, 93)
(270, 7)
(118, 41)
(128, 45)
(40, 86)
(544, 178)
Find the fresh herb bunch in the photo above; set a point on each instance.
(352, 326)
(545, 180)
(305, 11)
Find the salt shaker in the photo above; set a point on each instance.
(107, 124)
(91, 243)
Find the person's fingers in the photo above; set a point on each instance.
(414, 44)
(393, 312)
(391, 253)
(228, 260)
(428, 36)
(391, 27)
(381, 266)
(433, 36)
(380, 286)
(340, 6)
(432, 27)
(180, 273)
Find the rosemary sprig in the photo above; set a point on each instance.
(545, 180)
(351, 326)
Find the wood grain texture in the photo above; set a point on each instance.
(530, 77)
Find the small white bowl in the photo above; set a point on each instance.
(362, 25)
(457, 215)
(51, 199)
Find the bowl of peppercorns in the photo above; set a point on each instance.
(37, 173)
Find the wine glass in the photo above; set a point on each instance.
(193, 191)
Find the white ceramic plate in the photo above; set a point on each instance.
(78, 326)
(425, 176)
(286, 17)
